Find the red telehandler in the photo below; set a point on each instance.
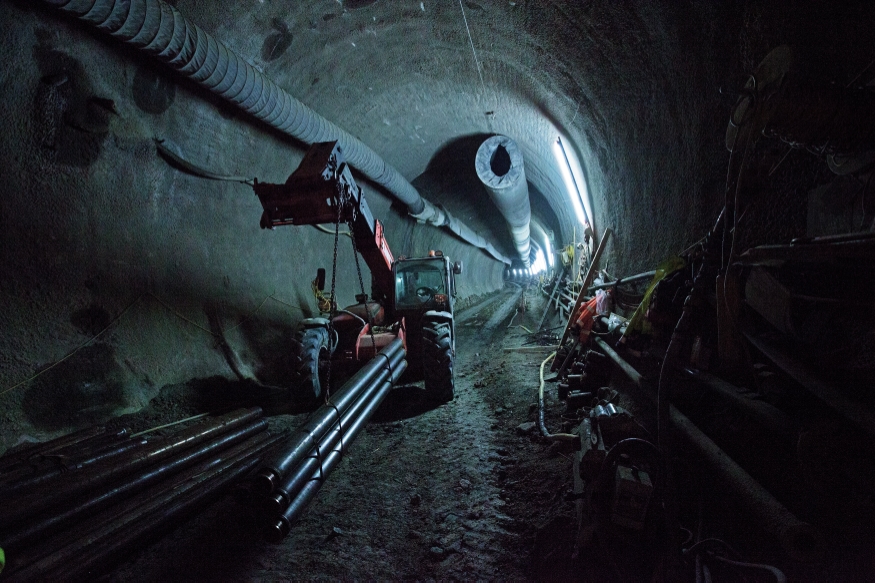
(410, 298)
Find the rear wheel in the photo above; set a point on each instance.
(311, 360)
(438, 360)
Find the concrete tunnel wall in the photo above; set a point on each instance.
(92, 219)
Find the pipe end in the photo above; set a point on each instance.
(264, 482)
(275, 503)
(276, 532)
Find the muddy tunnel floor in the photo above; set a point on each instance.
(459, 491)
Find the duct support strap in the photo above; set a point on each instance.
(161, 31)
(499, 165)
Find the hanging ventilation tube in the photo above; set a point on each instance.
(499, 164)
(161, 31)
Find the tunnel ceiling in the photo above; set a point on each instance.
(409, 77)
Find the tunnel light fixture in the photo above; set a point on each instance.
(572, 186)
(540, 263)
(548, 252)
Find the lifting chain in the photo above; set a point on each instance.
(333, 298)
(358, 269)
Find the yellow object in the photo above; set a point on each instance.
(638, 323)
(323, 302)
(567, 255)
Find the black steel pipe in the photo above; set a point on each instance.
(323, 419)
(321, 469)
(35, 461)
(56, 492)
(54, 457)
(95, 443)
(100, 559)
(62, 469)
(59, 557)
(34, 528)
(851, 409)
(52, 445)
(763, 413)
(295, 480)
(622, 280)
(799, 539)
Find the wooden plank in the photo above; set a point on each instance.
(590, 275)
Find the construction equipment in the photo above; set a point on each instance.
(411, 299)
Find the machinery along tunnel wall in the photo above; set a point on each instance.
(102, 238)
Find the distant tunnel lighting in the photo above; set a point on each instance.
(540, 263)
(548, 251)
(571, 186)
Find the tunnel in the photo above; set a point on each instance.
(652, 361)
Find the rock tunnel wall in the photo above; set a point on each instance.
(93, 222)
(102, 236)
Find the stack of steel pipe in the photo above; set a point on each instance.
(107, 493)
(285, 485)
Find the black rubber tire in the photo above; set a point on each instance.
(438, 360)
(311, 355)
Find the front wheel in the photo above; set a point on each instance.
(438, 360)
(311, 356)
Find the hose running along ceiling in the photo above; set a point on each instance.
(161, 31)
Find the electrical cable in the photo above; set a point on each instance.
(325, 229)
(75, 350)
(541, 424)
(170, 152)
(779, 575)
(166, 425)
(357, 317)
(710, 541)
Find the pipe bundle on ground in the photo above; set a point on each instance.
(291, 478)
(71, 507)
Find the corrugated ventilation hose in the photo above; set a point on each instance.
(160, 30)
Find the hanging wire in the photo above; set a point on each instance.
(471, 40)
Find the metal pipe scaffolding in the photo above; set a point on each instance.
(800, 540)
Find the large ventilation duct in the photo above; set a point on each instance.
(160, 31)
(499, 164)
(539, 235)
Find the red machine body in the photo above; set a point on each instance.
(410, 298)
(322, 190)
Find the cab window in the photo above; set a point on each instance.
(417, 283)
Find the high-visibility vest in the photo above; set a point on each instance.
(586, 319)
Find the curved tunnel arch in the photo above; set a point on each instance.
(92, 216)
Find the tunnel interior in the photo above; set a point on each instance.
(722, 149)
